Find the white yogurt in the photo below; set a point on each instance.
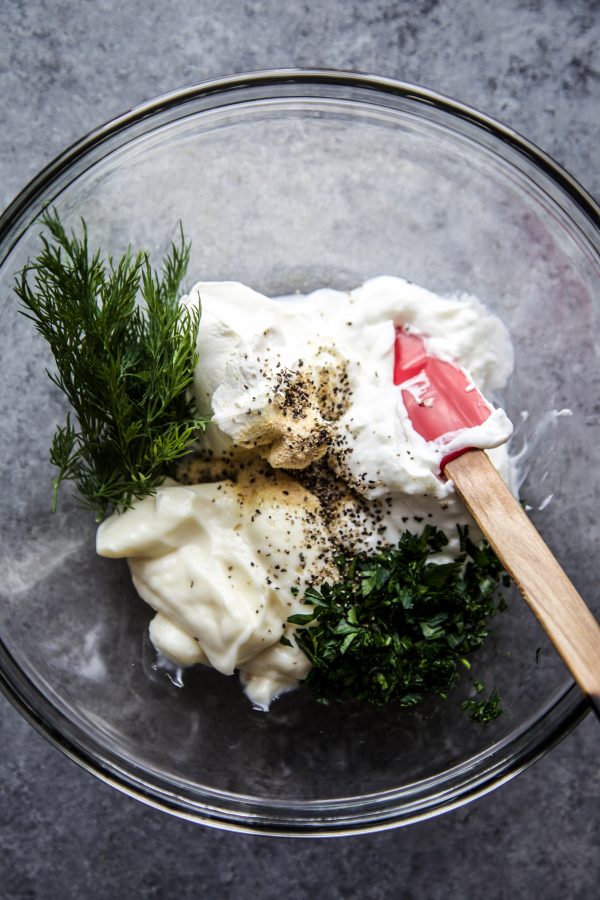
(246, 340)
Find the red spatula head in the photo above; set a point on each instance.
(439, 397)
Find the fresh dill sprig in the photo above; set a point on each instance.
(124, 365)
(396, 625)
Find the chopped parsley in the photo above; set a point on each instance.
(398, 626)
(484, 710)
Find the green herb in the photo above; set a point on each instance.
(124, 366)
(484, 710)
(397, 626)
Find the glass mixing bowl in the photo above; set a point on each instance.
(290, 181)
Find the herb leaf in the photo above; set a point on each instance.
(483, 710)
(396, 626)
(124, 366)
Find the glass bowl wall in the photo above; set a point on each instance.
(290, 181)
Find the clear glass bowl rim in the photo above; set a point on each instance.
(295, 818)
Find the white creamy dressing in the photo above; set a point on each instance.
(216, 561)
(303, 381)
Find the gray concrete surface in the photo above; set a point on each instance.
(64, 68)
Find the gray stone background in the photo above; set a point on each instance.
(64, 68)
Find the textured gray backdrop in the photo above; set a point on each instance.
(64, 68)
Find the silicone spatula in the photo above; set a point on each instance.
(441, 401)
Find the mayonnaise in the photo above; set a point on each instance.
(224, 565)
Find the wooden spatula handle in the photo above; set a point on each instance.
(561, 611)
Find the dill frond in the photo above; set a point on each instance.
(125, 366)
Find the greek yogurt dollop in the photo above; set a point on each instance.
(302, 376)
(310, 451)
